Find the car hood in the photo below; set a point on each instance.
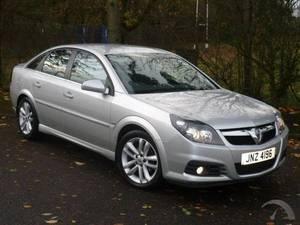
(220, 108)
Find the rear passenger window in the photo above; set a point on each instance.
(35, 63)
(86, 66)
(56, 62)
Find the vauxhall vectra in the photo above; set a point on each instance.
(151, 111)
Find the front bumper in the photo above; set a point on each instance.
(180, 152)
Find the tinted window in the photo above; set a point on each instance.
(35, 63)
(87, 67)
(151, 73)
(56, 62)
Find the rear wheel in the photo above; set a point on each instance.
(138, 159)
(27, 119)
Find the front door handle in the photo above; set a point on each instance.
(68, 94)
(37, 84)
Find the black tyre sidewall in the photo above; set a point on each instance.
(35, 123)
(132, 134)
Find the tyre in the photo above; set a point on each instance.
(138, 159)
(27, 119)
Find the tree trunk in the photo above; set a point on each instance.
(248, 48)
(113, 21)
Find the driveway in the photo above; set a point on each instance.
(52, 181)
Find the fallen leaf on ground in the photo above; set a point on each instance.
(297, 155)
(46, 214)
(122, 214)
(51, 221)
(142, 215)
(296, 125)
(27, 206)
(146, 206)
(24, 140)
(79, 163)
(6, 98)
(73, 221)
(12, 170)
(3, 125)
(3, 117)
(186, 212)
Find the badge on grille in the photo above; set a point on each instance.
(256, 134)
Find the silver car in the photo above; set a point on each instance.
(154, 113)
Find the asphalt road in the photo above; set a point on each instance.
(56, 182)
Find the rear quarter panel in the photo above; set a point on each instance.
(20, 84)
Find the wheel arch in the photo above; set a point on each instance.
(137, 123)
(25, 94)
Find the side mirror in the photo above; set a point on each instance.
(94, 86)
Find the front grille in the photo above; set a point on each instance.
(210, 169)
(243, 136)
(254, 168)
(240, 140)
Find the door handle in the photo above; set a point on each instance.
(68, 94)
(37, 84)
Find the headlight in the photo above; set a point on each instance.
(196, 131)
(280, 125)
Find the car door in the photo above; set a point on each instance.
(48, 88)
(89, 112)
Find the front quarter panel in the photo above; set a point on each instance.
(127, 110)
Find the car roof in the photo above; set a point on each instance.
(105, 49)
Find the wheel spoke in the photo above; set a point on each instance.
(132, 170)
(141, 176)
(140, 149)
(27, 108)
(151, 158)
(132, 148)
(130, 163)
(128, 153)
(29, 126)
(146, 148)
(146, 173)
(153, 166)
(23, 113)
(23, 125)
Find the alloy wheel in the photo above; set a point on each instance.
(139, 160)
(25, 118)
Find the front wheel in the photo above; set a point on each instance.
(138, 159)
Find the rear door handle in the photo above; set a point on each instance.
(68, 94)
(37, 84)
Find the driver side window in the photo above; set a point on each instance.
(86, 66)
(56, 62)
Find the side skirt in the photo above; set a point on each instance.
(105, 152)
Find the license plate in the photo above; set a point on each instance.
(257, 157)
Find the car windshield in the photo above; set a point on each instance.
(157, 72)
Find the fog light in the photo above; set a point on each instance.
(200, 170)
